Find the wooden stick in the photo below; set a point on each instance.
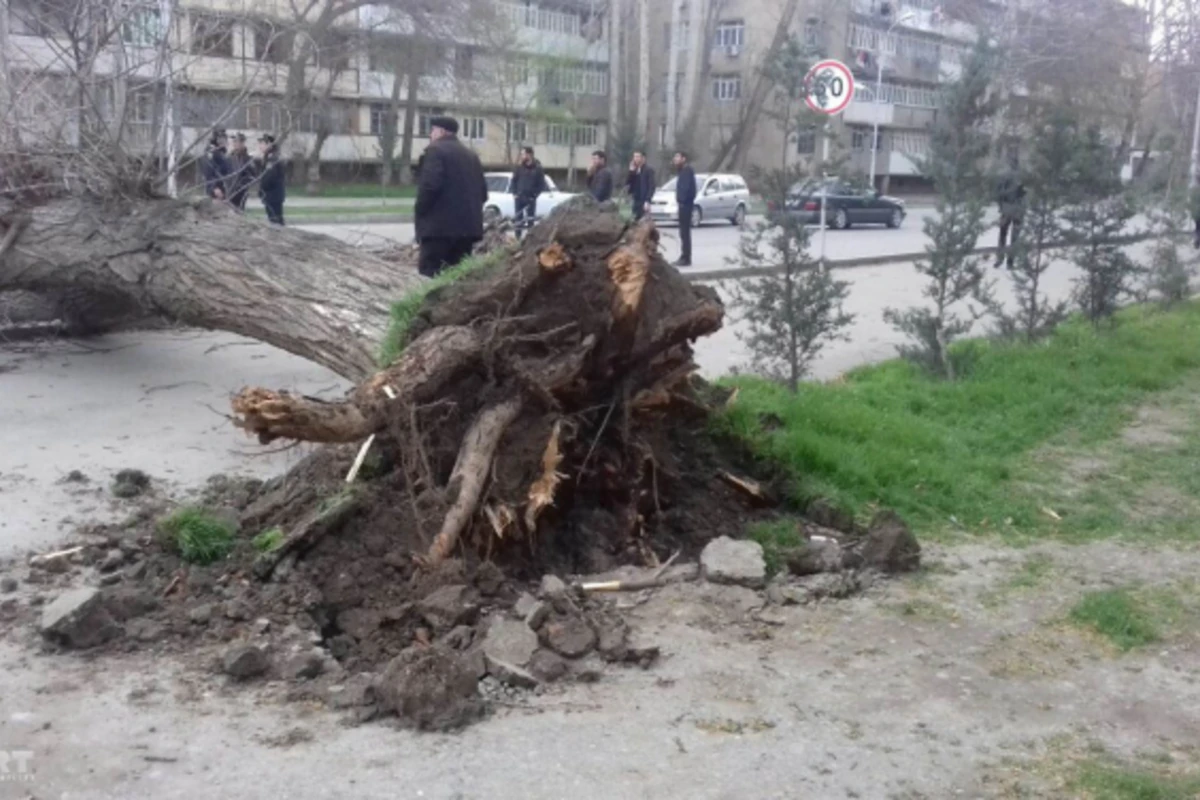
(358, 461)
(47, 557)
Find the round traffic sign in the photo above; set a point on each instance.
(830, 87)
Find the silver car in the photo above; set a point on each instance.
(718, 197)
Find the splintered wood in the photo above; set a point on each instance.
(541, 493)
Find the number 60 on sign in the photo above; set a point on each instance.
(830, 87)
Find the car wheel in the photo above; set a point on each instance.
(491, 214)
(841, 220)
(697, 217)
(739, 217)
(896, 219)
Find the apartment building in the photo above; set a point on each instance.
(915, 46)
(538, 74)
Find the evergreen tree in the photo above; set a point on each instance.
(958, 151)
(1050, 182)
(1169, 281)
(794, 306)
(1096, 223)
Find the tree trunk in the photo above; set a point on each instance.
(201, 264)
(643, 96)
(391, 129)
(410, 123)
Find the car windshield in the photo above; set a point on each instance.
(669, 186)
(497, 183)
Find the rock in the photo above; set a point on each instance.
(343, 591)
(890, 545)
(612, 640)
(572, 637)
(780, 594)
(113, 559)
(201, 614)
(356, 692)
(508, 647)
(237, 610)
(475, 661)
(815, 557)
(262, 625)
(827, 515)
(430, 688)
(361, 623)
(146, 630)
(460, 638)
(553, 588)
(304, 666)
(734, 561)
(79, 619)
(833, 586)
(137, 572)
(128, 602)
(449, 606)
(8, 584)
(130, 483)
(547, 667)
(111, 579)
(75, 476)
(9, 607)
(511, 675)
(245, 661)
(531, 610)
(489, 579)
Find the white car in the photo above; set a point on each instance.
(501, 204)
(718, 197)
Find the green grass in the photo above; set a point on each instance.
(366, 191)
(1110, 783)
(405, 310)
(268, 541)
(959, 454)
(1118, 616)
(198, 537)
(777, 538)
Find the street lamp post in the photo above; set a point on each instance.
(905, 17)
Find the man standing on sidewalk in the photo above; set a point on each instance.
(600, 179)
(1010, 196)
(450, 197)
(641, 184)
(528, 182)
(685, 198)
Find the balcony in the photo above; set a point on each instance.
(865, 111)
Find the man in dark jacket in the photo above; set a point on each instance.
(685, 198)
(215, 167)
(272, 178)
(528, 181)
(600, 178)
(641, 184)
(450, 196)
(1010, 196)
(242, 176)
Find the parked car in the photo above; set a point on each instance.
(845, 205)
(501, 204)
(718, 197)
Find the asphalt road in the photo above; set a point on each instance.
(714, 244)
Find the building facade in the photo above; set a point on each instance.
(536, 73)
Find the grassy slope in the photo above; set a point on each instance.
(964, 452)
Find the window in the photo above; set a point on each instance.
(683, 36)
(545, 19)
(423, 117)
(584, 79)
(587, 135)
(860, 139)
(142, 27)
(464, 62)
(271, 44)
(472, 128)
(517, 131)
(730, 34)
(812, 34)
(727, 88)
(212, 36)
(140, 107)
(806, 143)
(378, 119)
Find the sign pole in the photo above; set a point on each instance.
(829, 90)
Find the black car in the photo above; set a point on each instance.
(845, 205)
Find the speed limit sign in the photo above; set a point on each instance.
(830, 87)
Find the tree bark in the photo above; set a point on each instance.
(201, 264)
(410, 122)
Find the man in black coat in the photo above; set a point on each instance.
(1010, 196)
(600, 178)
(272, 178)
(242, 175)
(641, 184)
(685, 198)
(528, 182)
(451, 192)
(215, 167)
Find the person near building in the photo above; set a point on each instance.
(1010, 196)
(272, 178)
(600, 179)
(685, 198)
(451, 193)
(242, 176)
(528, 182)
(641, 184)
(215, 166)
